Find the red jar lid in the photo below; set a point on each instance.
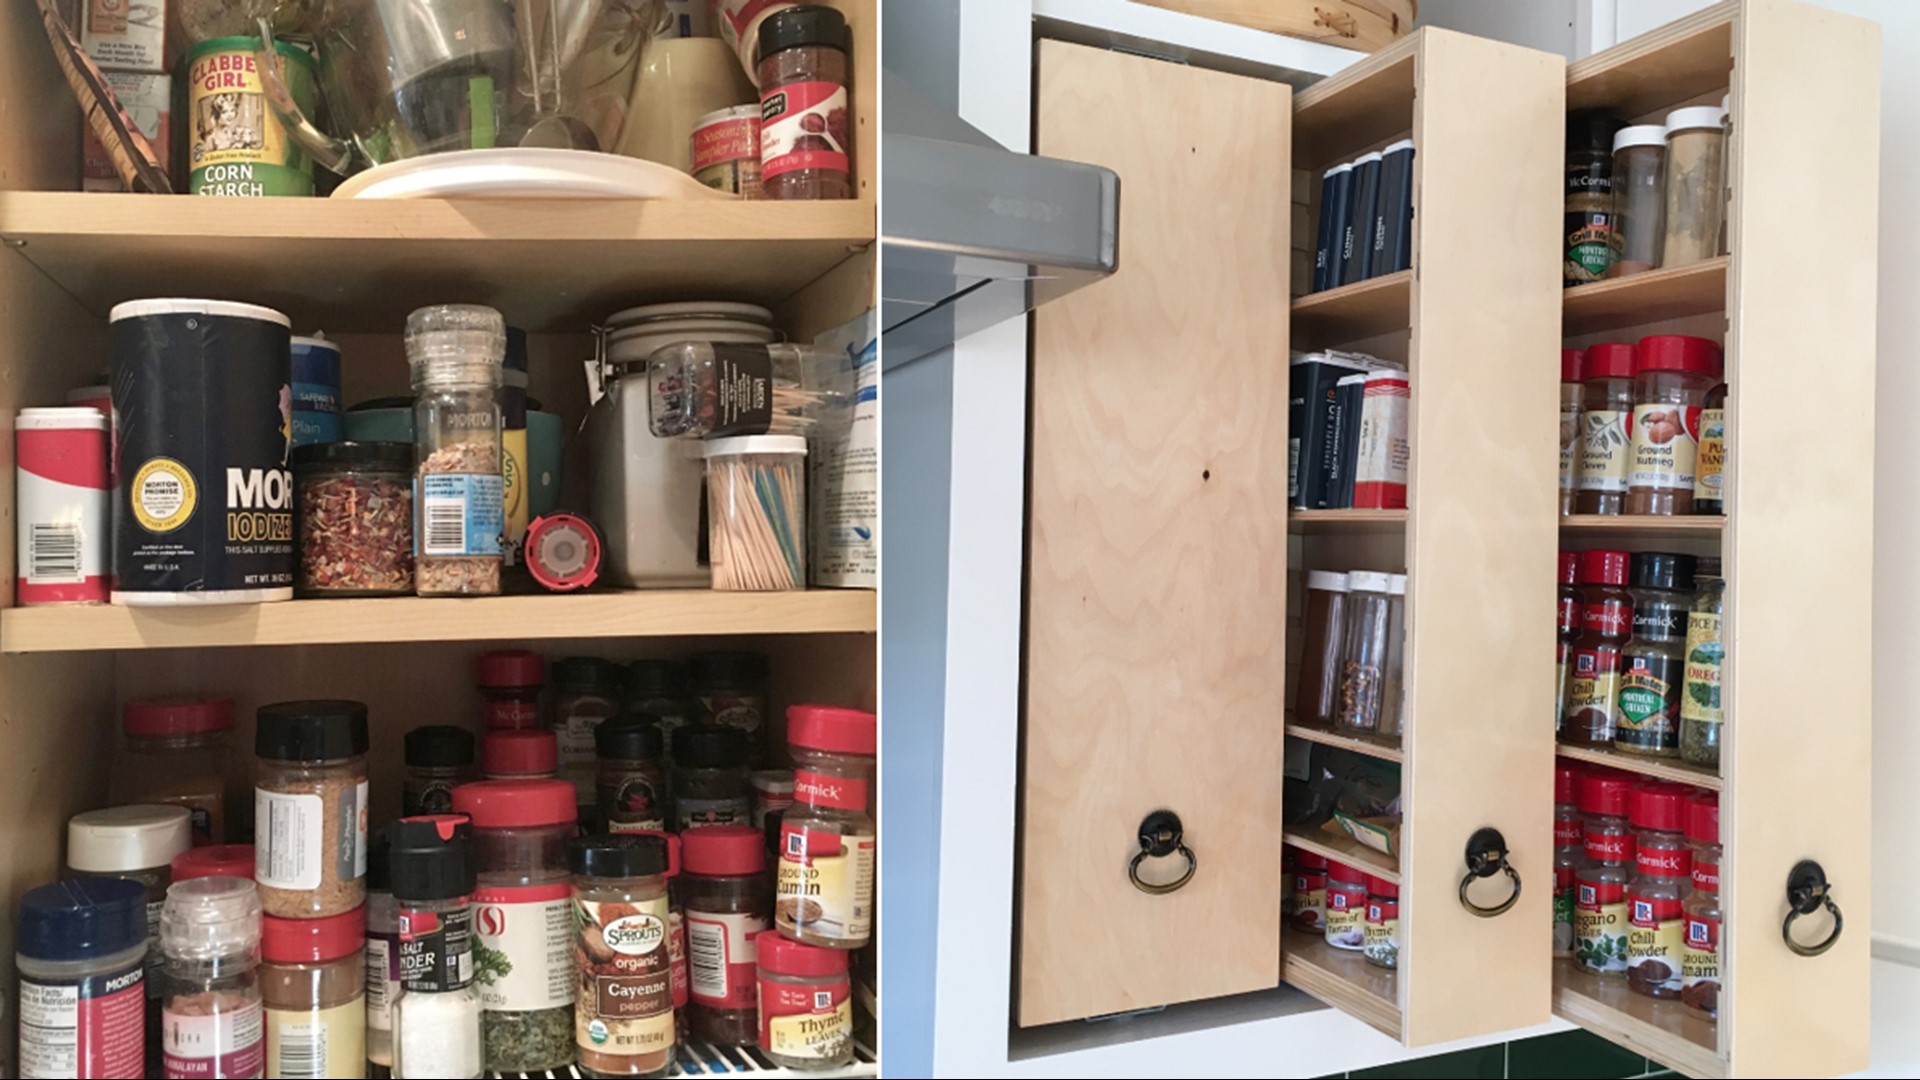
(1610, 361)
(1382, 887)
(1603, 567)
(784, 956)
(1569, 567)
(1603, 793)
(217, 860)
(1677, 352)
(1307, 860)
(723, 850)
(1661, 807)
(519, 753)
(1570, 365)
(1703, 818)
(160, 718)
(512, 667)
(1563, 783)
(1347, 875)
(312, 941)
(515, 804)
(832, 729)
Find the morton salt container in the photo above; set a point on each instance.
(202, 401)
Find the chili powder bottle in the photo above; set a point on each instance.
(1662, 865)
(1606, 616)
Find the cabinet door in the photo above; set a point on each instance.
(1157, 547)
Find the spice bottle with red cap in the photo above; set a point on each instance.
(510, 683)
(219, 860)
(827, 839)
(1672, 375)
(519, 755)
(177, 752)
(1663, 863)
(1346, 926)
(313, 983)
(806, 1004)
(727, 901)
(1383, 923)
(1309, 892)
(1700, 955)
(1569, 846)
(1606, 621)
(1570, 394)
(1606, 422)
(1600, 912)
(1568, 613)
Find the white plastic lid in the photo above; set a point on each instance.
(316, 342)
(210, 917)
(1403, 144)
(139, 309)
(1348, 167)
(691, 309)
(1365, 158)
(1327, 580)
(121, 839)
(1726, 102)
(1367, 581)
(742, 445)
(1694, 116)
(1639, 135)
(1397, 584)
(61, 418)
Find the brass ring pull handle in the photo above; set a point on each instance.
(1487, 856)
(1160, 836)
(1808, 892)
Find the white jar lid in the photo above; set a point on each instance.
(1397, 584)
(1639, 135)
(1327, 580)
(1364, 159)
(140, 309)
(1403, 144)
(741, 445)
(1367, 581)
(121, 839)
(1348, 167)
(61, 418)
(1694, 116)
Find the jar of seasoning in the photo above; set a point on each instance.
(772, 794)
(1726, 169)
(436, 1022)
(220, 860)
(356, 518)
(1346, 907)
(827, 837)
(1709, 471)
(439, 759)
(626, 1021)
(1663, 863)
(1310, 892)
(177, 752)
(1569, 845)
(727, 900)
(1700, 953)
(81, 958)
(310, 808)
(1701, 714)
(1653, 661)
(510, 682)
(1606, 412)
(730, 688)
(1639, 198)
(658, 689)
(1600, 905)
(1393, 693)
(1589, 223)
(1673, 374)
(806, 1004)
(138, 843)
(1569, 628)
(212, 1021)
(1322, 627)
(1696, 184)
(523, 915)
(806, 133)
(383, 955)
(521, 754)
(586, 693)
(1606, 619)
(710, 777)
(456, 352)
(1363, 654)
(1571, 391)
(1383, 923)
(313, 981)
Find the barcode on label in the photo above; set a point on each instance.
(446, 527)
(303, 1052)
(379, 1004)
(53, 554)
(707, 958)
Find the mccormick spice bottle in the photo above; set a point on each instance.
(1569, 843)
(1701, 714)
(1709, 471)
(1653, 663)
(436, 1023)
(1568, 613)
(1383, 923)
(1600, 913)
(1346, 907)
(1700, 954)
(1606, 617)
(806, 1004)
(1662, 864)
(1590, 241)
(805, 135)
(1570, 394)
(519, 755)
(313, 981)
(827, 837)
(1672, 374)
(1310, 892)
(1606, 417)
(510, 681)
(439, 758)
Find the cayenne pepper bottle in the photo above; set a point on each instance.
(1606, 616)
(1700, 955)
(805, 138)
(1600, 915)
(1662, 865)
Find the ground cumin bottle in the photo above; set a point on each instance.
(1606, 416)
(1606, 618)
(824, 886)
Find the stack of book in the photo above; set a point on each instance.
(1347, 424)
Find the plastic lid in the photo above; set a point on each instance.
(1569, 567)
(806, 25)
(1591, 130)
(647, 679)
(121, 839)
(468, 333)
(1604, 794)
(313, 941)
(784, 956)
(774, 781)
(741, 445)
(439, 746)
(375, 456)
(1327, 580)
(833, 729)
(1660, 807)
(693, 309)
(1396, 584)
(1603, 568)
(61, 418)
(217, 860)
(140, 309)
(431, 857)
(379, 864)
(563, 551)
(1662, 570)
(1346, 167)
(1394, 148)
(1381, 887)
(722, 850)
(82, 919)
(1351, 875)
(1640, 135)
(629, 739)
(512, 804)
(1570, 364)
(586, 673)
(625, 855)
(1367, 581)
(729, 669)
(1703, 818)
(1706, 566)
(1677, 352)
(1612, 360)
(525, 752)
(315, 340)
(171, 717)
(1695, 116)
(1307, 860)
(512, 667)
(311, 731)
(1726, 102)
(1368, 158)
(1563, 777)
(210, 917)
(711, 746)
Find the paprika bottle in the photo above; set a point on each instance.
(1593, 683)
(1662, 865)
(1600, 914)
(1309, 892)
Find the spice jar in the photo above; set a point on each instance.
(1639, 198)
(805, 135)
(1383, 923)
(806, 1004)
(510, 683)
(1589, 234)
(1606, 413)
(313, 981)
(1696, 184)
(625, 1025)
(1673, 373)
(177, 752)
(523, 914)
(1569, 628)
(519, 755)
(1600, 911)
(1709, 471)
(439, 758)
(1322, 628)
(356, 518)
(756, 512)
(586, 692)
(1346, 907)
(138, 843)
(1393, 692)
(219, 860)
(310, 808)
(456, 352)
(436, 1022)
(1700, 952)
(1663, 862)
(1363, 654)
(632, 789)
(1701, 714)
(727, 902)
(657, 689)
(1726, 169)
(827, 838)
(710, 777)
(772, 794)
(1310, 892)
(383, 955)
(1606, 619)
(81, 960)
(1571, 391)
(212, 1022)
(1652, 662)
(1569, 844)
(730, 688)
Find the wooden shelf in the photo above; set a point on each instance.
(1342, 849)
(1367, 103)
(350, 265)
(1376, 748)
(1663, 1030)
(1346, 521)
(610, 614)
(1666, 67)
(1642, 530)
(1342, 979)
(1658, 768)
(1699, 289)
(1351, 312)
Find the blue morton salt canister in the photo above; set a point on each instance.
(203, 414)
(316, 391)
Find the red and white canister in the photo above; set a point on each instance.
(65, 541)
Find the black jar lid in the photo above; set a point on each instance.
(729, 669)
(311, 730)
(1662, 570)
(711, 746)
(651, 679)
(808, 24)
(431, 857)
(379, 863)
(380, 456)
(1588, 131)
(622, 855)
(1706, 566)
(586, 673)
(630, 738)
(439, 746)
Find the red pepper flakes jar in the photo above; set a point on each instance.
(511, 681)
(806, 131)
(806, 1009)
(1346, 926)
(728, 901)
(519, 755)
(1309, 892)
(356, 518)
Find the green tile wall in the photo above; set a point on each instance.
(1569, 1055)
